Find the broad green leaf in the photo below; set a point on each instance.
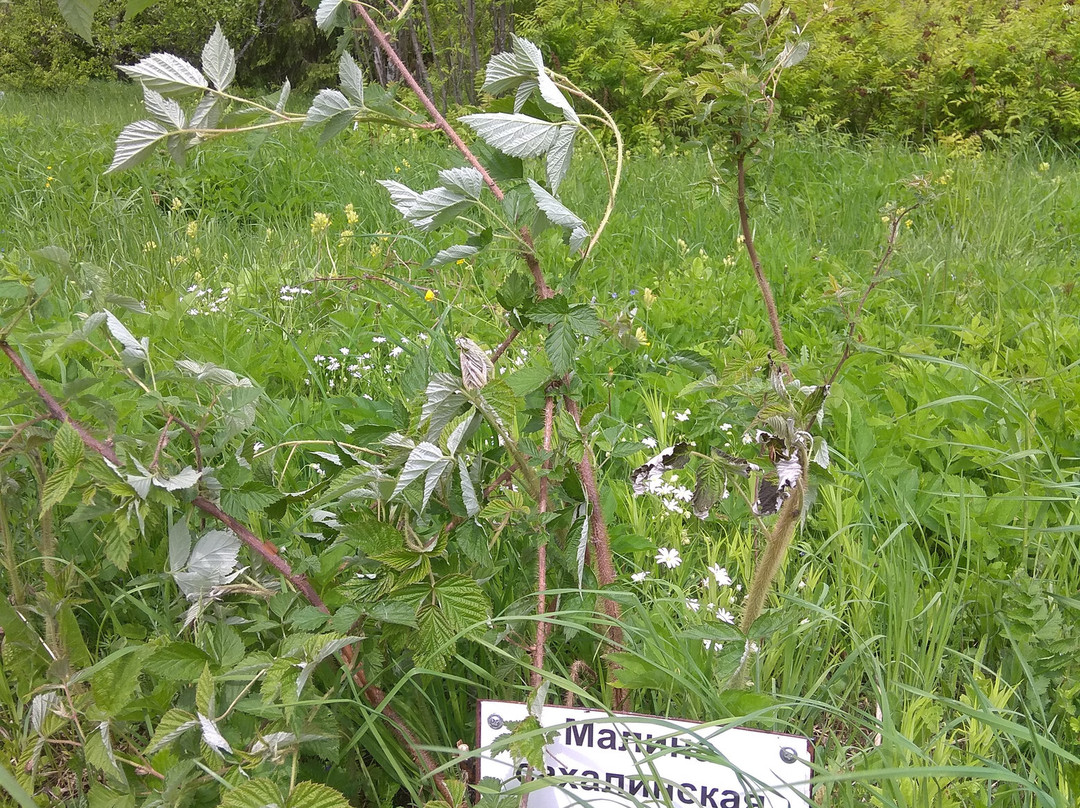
(352, 79)
(68, 445)
(465, 605)
(177, 662)
(136, 7)
(257, 793)
(512, 133)
(71, 637)
(584, 320)
(442, 401)
(315, 795)
(54, 255)
(168, 74)
(114, 685)
(117, 538)
(135, 143)
(560, 345)
(79, 14)
(434, 638)
(219, 59)
(793, 53)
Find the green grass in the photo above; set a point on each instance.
(940, 559)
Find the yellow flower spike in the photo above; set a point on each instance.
(429, 295)
(177, 203)
(320, 223)
(1044, 166)
(192, 229)
(641, 337)
(351, 216)
(649, 296)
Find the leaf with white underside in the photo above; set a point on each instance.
(166, 110)
(466, 180)
(171, 726)
(79, 14)
(207, 112)
(793, 53)
(550, 92)
(583, 545)
(326, 15)
(352, 79)
(450, 254)
(332, 108)
(168, 74)
(468, 492)
(212, 563)
(512, 133)
(507, 70)
(426, 459)
(283, 96)
(135, 142)
(219, 59)
(427, 210)
(212, 736)
(560, 215)
(558, 158)
(133, 351)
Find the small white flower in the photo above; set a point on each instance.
(720, 574)
(802, 584)
(343, 351)
(683, 416)
(668, 557)
(804, 621)
(422, 337)
(650, 442)
(724, 616)
(638, 577)
(692, 604)
(378, 340)
(396, 351)
(715, 646)
(257, 446)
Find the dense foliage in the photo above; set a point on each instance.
(273, 518)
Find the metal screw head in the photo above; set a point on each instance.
(495, 721)
(788, 755)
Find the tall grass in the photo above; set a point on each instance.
(925, 631)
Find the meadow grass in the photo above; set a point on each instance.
(925, 629)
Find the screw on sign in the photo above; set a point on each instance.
(617, 760)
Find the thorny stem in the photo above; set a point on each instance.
(755, 262)
(541, 554)
(268, 552)
(14, 582)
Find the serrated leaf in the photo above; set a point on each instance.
(434, 638)
(212, 563)
(554, 96)
(513, 133)
(212, 736)
(117, 538)
(134, 144)
(326, 15)
(315, 795)
(165, 110)
(352, 78)
(179, 546)
(463, 602)
(167, 74)
(207, 112)
(583, 546)
(68, 446)
(171, 726)
(133, 351)
(57, 486)
(79, 15)
(177, 662)
(283, 96)
(442, 400)
(450, 254)
(793, 53)
(219, 59)
(468, 492)
(181, 481)
(332, 108)
(560, 345)
(257, 793)
(466, 180)
(555, 210)
(114, 685)
(426, 459)
(558, 158)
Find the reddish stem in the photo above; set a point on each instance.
(541, 555)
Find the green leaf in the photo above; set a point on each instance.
(134, 144)
(79, 15)
(328, 16)
(71, 637)
(171, 726)
(558, 158)
(560, 345)
(516, 291)
(426, 459)
(332, 108)
(257, 793)
(434, 638)
(57, 486)
(136, 7)
(117, 538)
(559, 214)
(465, 605)
(168, 74)
(177, 662)
(219, 59)
(114, 685)
(583, 319)
(315, 795)
(204, 691)
(512, 133)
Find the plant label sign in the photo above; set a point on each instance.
(619, 760)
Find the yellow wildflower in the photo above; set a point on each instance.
(149, 246)
(641, 337)
(649, 296)
(1044, 166)
(320, 223)
(460, 261)
(176, 204)
(192, 229)
(351, 216)
(345, 237)
(429, 295)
